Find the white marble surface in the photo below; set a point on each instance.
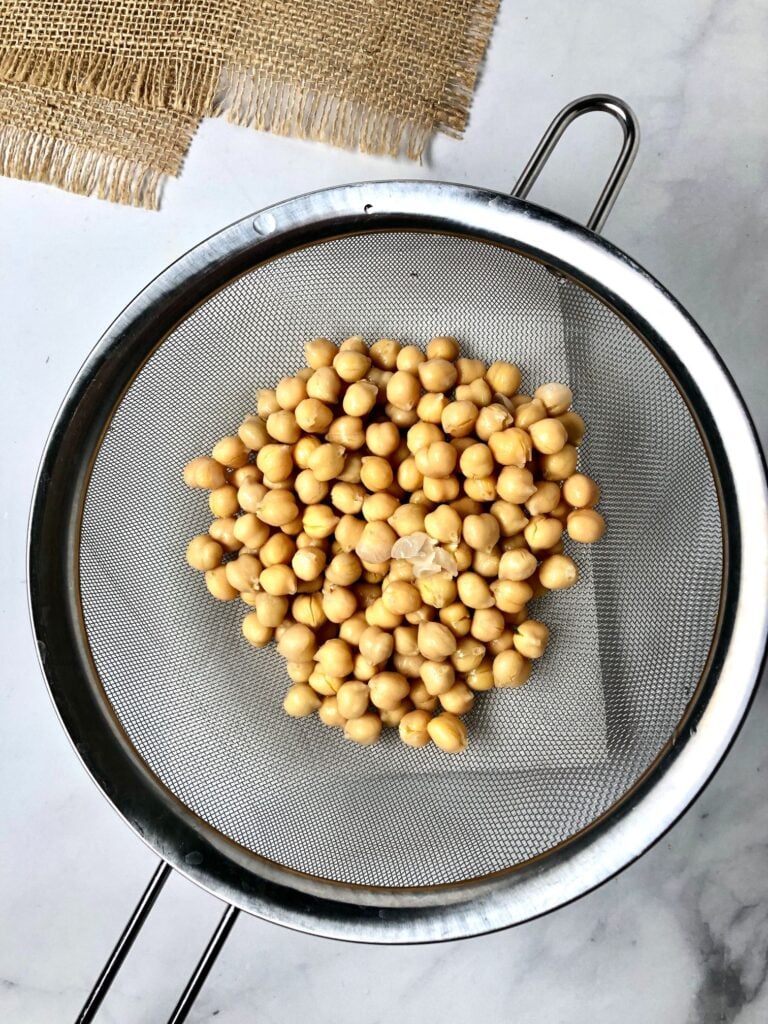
(681, 937)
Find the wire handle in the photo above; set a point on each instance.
(586, 105)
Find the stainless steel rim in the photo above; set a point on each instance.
(184, 840)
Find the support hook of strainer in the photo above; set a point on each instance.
(586, 105)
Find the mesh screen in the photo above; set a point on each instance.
(203, 708)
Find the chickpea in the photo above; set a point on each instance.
(320, 352)
(376, 645)
(505, 642)
(266, 402)
(561, 511)
(443, 525)
(289, 392)
(376, 473)
(279, 580)
(204, 473)
(438, 676)
(422, 435)
(384, 353)
(308, 563)
(511, 595)
(469, 370)
(349, 532)
(468, 654)
(297, 643)
(544, 499)
(463, 556)
(531, 638)
(250, 531)
(310, 490)
(283, 427)
(409, 357)
(243, 572)
(458, 700)
(542, 532)
(204, 553)
(253, 432)
(487, 624)
(313, 415)
(448, 733)
(437, 591)
(504, 378)
(511, 447)
(440, 489)
(437, 375)
(359, 398)
(408, 665)
(255, 632)
(351, 472)
(388, 689)
(459, 418)
(222, 530)
(491, 420)
(480, 679)
(430, 408)
(278, 549)
(363, 669)
(517, 565)
(334, 657)
(338, 603)
(585, 525)
(403, 418)
(305, 373)
(443, 346)
(246, 474)
(419, 498)
(299, 671)
(510, 669)
(561, 465)
(383, 439)
(408, 519)
(377, 614)
(556, 397)
(319, 521)
(351, 366)
(250, 495)
(347, 431)
(231, 452)
(401, 597)
(300, 701)
(344, 569)
(529, 413)
(354, 343)
(376, 541)
(325, 385)
(423, 614)
(437, 459)
(474, 591)
(329, 713)
(365, 730)
(222, 501)
(413, 728)
(516, 484)
(327, 461)
(481, 532)
(277, 508)
(548, 436)
(421, 698)
(353, 628)
(270, 610)
(456, 617)
(478, 392)
(352, 699)
(581, 491)
(380, 378)
(476, 461)
(575, 427)
(436, 642)
(392, 717)
(403, 390)
(558, 572)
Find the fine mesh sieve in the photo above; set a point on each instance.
(653, 657)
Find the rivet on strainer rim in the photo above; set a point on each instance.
(565, 782)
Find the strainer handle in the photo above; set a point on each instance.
(586, 105)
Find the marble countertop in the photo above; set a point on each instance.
(681, 937)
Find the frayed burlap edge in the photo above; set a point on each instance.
(157, 84)
(289, 108)
(30, 156)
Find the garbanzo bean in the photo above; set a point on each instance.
(352, 699)
(319, 521)
(511, 447)
(387, 689)
(204, 473)
(458, 418)
(270, 610)
(575, 427)
(491, 420)
(515, 484)
(409, 357)
(223, 530)
(335, 658)
(430, 407)
(392, 717)
(401, 597)
(510, 669)
(469, 370)
(408, 665)
(299, 671)
(438, 590)
(440, 489)
(421, 698)
(204, 553)
(329, 713)
(443, 346)
(436, 642)
(561, 465)
(297, 643)
(437, 375)
(518, 564)
(349, 531)
(351, 366)
(403, 390)
(544, 499)
(365, 730)
(481, 532)
(457, 618)
(279, 580)
(482, 489)
(253, 432)
(585, 525)
(548, 436)
(266, 402)
(300, 701)
(558, 572)
(529, 413)
(458, 700)
(325, 385)
(487, 624)
(250, 531)
(243, 572)
(218, 585)
(436, 460)
(359, 398)
(309, 489)
(511, 595)
(443, 525)
(413, 728)
(277, 508)
(320, 352)
(468, 654)
(556, 397)
(448, 732)
(542, 532)
(308, 563)
(344, 569)
(531, 638)
(438, 676)
(246, 474)
(223, 502)
(376, 473)
(581, 491)
(480, 679)
(338, 603)
(290, 391)
(504, 378)
(313, 415)
(255, 632)
(347, 431)
(384, 353)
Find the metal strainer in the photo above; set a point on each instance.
(655, 654)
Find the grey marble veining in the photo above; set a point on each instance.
(681, 937)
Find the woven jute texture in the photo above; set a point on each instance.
(379, 75)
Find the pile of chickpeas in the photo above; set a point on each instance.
(387, 515)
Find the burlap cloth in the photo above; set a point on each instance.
(103, 96)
